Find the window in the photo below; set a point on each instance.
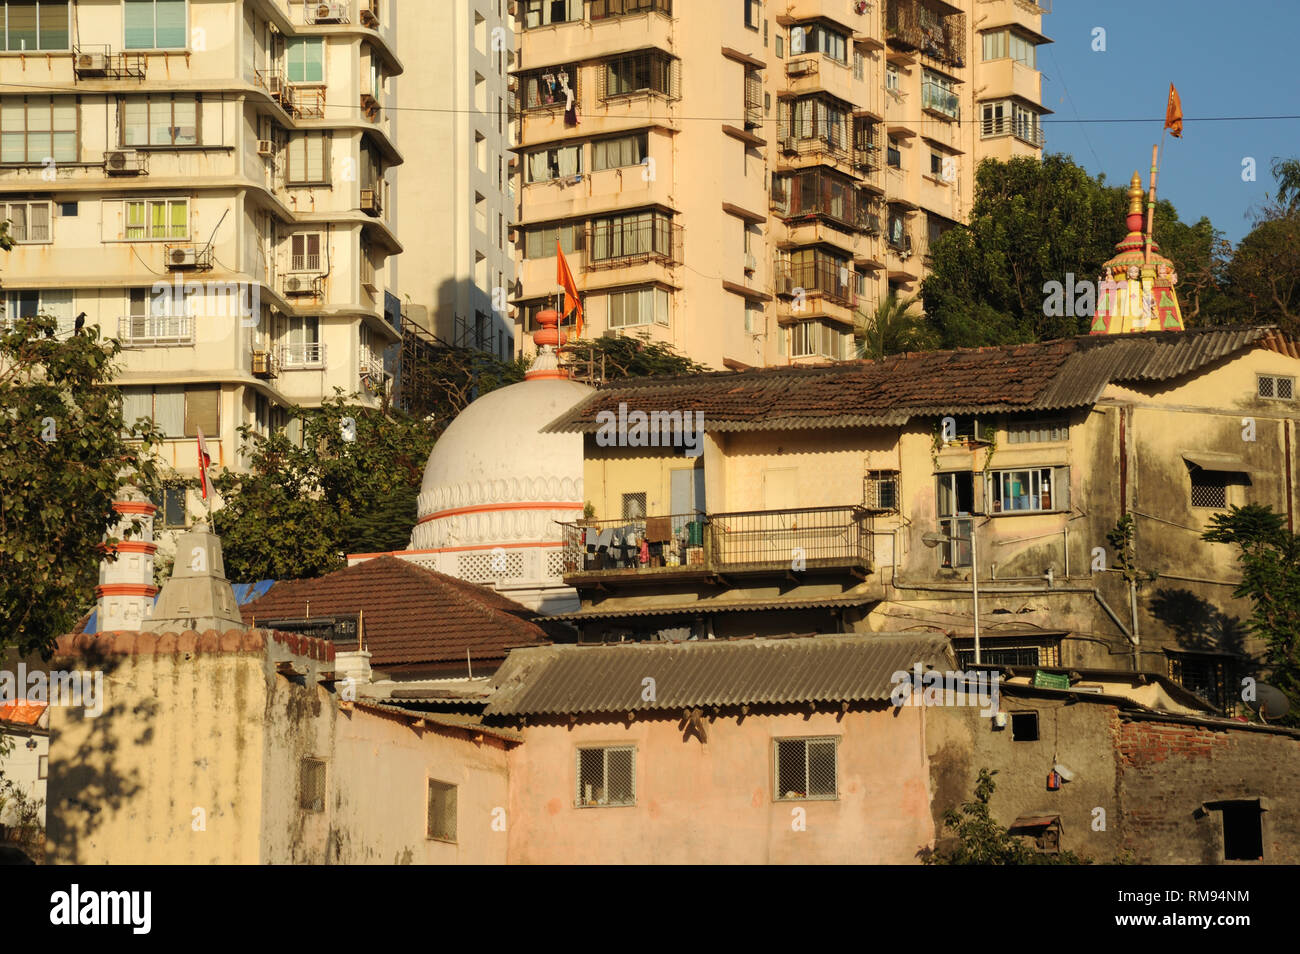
(936, 164)
(993, 119)
(606, 776)
(623, 151)
(1024, 725)
(1243, 834)
(956, 503)
(1275, 387)
(155, 25)
(891, 78)
(817, 270)
(34, 128)
(554, 162)
(441, 819)
(311, 785)
(859, 65)
(623, 236)
(49, 302)
(68, 209)
(539, 241)
(817, 339)
(1037, 432)
(820, 38)
(779, 46)
(937, 94)
(176, 410)
(753, 11)
(152, 219)
(543, 88)
(639, 306)
(308, 159)
(1019, 490)
(894, 155)
(35, 25)
(305, 59)
(814, 118)
(1207, 675)
(1209, 489)
(170, 501)
(304, 252)
(1002, 44)
(601, 9)
(753, 317)
(634, 506)
(1008, 656)
(538, 13)
(160, 121)
(29, 222)
(806, 769)
(42, 766)
(651, 71)
(880, 490)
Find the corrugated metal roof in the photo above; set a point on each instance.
(446, 719)
(715, 606)
(575, 679)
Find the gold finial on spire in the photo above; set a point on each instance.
(1135, 195)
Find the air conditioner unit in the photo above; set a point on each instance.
(293, 285)
(368, 19)
(751, 263)
(123, 162)
(370, 201)
(275, 85)
(788, 145)
(92, 63)
(183, 257)
(265, 147)
(329, 13)
(799, 67)
(262, 366)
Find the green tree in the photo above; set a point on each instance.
(349, 484)
(1269, 557)
(892, 328)
(65, 455)
(982, 841)
(1287, 174)
(627, 356)
(1264, 273)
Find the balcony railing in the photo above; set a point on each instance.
(616, 244)
(917, 25)
(608, 9)
(307, 354)
(835, 144)
(155, 331)
(940, 100)
(96, 61)
(649, 73)
(753, 540)
(1031, 133)
(828, 280)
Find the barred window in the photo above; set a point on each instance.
(606, 776)
(441, 821)
(806, 768)
(1209, 489)
(1275, 387)
(545, 87)
(639, 233)
(311, 785)
(880, 490)
(1037, 432)
(650, 71)
(1208, 676)
(634, 506)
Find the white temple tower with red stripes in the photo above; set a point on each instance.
(125, 594)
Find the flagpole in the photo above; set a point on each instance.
(1151, 198)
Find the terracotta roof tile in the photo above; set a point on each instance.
(412, 615)
(22, 713)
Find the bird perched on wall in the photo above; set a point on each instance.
(79, 323)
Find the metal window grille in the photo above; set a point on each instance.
(311, 785)
(1203, 675)
(1269, 386)
(483, 566)
(1209, 489)
(442, 811)
(806, 769)
(880, 490)
(1038, 432)
(1006, 656)
(650, 71)
(607, 776)
(634, 506)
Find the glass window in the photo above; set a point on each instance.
(160, 121)
(305, 59)
(638, 306)
(623, 151)
(34, 128)
(151, 219)
(304, 252)
(155, 25)
(606, 776)
(650, 71)
(640, 233)
(307, 159)
(539, 241)
(555, 162)
(806, 768)
(29, 222)
(545, 12)
(35, 25)
(1017, 490)
(995, 45)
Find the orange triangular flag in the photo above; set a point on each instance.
(564, 278)
(1174, 114)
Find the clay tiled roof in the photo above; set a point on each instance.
(1049, 375)
(189, 642)
(412, 616)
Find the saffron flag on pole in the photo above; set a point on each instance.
(564, 278)
(205, 461)
(1174, 114)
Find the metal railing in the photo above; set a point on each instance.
(305, 102)
(813, 194)
(608, 9)
(648, 73)
(1031, 133)
(825, 279)
(836, 144)
(616, 242)
(98, 59)
(916, 24)
(782, 540)
(940, 100)
(155, 331)
(306, 354)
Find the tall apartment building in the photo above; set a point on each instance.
(747, 180)
(207, 182)
(456, 193)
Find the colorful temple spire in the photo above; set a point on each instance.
(1134, 294)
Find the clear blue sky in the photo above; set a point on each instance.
(1227, 59)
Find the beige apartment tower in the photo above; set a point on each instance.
(209, 183)
(747, 180)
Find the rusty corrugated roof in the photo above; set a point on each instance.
(611, 678)
(1049, 375)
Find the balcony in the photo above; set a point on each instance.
(275, 85)
(1022, 129)
(937, 99)
(98, 61)
(155, 331)
(305, 102)
(329, 11)
(697, 545)
(264, 363)
(795, 150)
(371, 372)
(1008, 77)
(619, 244)
(646, 73)
(824, 278)
(931, 27)
(304, 355)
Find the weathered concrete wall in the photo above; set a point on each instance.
(714, 802)
(379, 793)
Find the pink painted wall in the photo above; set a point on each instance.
(713, 803)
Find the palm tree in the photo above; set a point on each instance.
(892, 329)
(1287, 174)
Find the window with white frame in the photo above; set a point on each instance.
(160, 120)
(30, 25)
(1022, 490)
(52, 303)
(539, 13)
(305, 252)
(1007, 44)
(1275, 387)
(817, 339)
(34, 128)
(156, 320)
(155, 25)
(304, 59)
(606, 776)
(153, 219)
(638, 306)
(956, 499)
(753, 317)
(622, 151)
(806, 769)
(892, 78)
(821, 38)
(29, 222)
(553, 162)
(177, 410)
(308, 162)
